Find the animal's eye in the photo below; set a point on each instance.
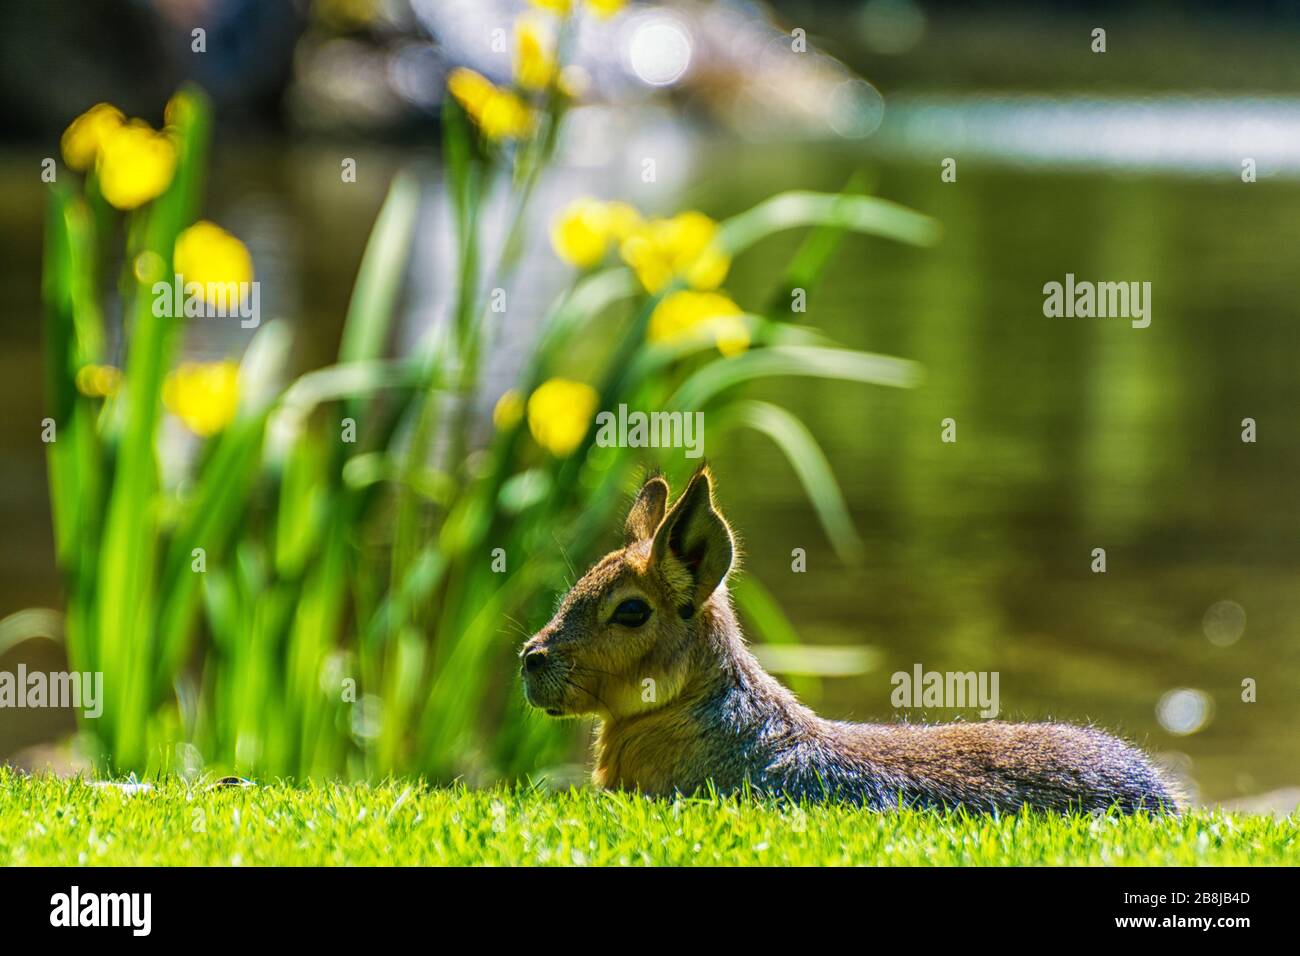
(631, 613)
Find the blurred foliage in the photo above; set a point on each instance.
(323, 592)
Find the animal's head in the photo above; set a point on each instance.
(625, 637)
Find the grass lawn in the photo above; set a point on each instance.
(47, 821)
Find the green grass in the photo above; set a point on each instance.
(47, 821)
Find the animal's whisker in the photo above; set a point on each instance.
(577, 668)
(594, 696)
(565, 555)
(517, 626)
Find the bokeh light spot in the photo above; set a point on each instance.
(659, 51)
(1184, 710)
(856, 109)
(1224, 623)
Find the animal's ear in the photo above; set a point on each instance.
(693, 546)
(647, 511)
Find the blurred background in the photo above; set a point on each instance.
(1073, 434)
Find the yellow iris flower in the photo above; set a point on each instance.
(84, 137)
(562, 8)
(606, 8)
(135, 164)
(205, 396)
(178, 109)
(508, 410)
(207, 254)
(685, 314)
(98, 381)
(582, 233)
(535, 65)
(499, 113)
(559, 413)
(684, 246)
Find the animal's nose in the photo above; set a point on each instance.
(533, 661)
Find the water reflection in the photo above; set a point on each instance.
(1190, 134)
(1074, 434)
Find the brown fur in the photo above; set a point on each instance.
(683, 703)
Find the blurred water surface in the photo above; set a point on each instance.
(1073, 434)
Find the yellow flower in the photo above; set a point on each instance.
(507, 117)
(684, 246)
(471, 89)
(205, 396)
(207, 254)
(559, 413)
(499, 113)
(606, 8)
(578, 234)
(622, 219)
(534, 55)
(685, 314)
(178, 109)
(98, 381)
(84, 137)
(583, 231)
(509, 409)
(135, 164)
(561, 8)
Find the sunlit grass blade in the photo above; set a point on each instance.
(336, 382)
(793, 360)
(769, 621)
(817, 660)
(810, 465)
(379, 279)
(817, 249)
(27, 625)
(865, 214)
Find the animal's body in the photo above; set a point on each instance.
(648, 642)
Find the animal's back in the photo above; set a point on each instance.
(985, 766)
(1000, 766)
(782, 748)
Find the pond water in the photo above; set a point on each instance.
(1072, 435)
